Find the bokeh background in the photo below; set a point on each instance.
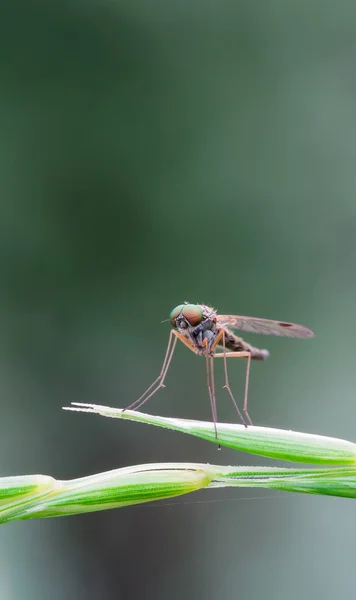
(151, 153)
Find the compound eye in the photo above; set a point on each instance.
(175, 313)
(193, 313)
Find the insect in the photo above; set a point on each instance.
(208, 334)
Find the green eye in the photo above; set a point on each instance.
(192, 312)
(174, 314)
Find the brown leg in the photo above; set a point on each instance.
(226, 355)
(247, 381)
(211, 388)
(159, 382)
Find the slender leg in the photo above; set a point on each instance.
(211, 363)
(211, 388)
(247, 355)
(248, 366)
(159, 382)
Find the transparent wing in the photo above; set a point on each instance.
(265, 326)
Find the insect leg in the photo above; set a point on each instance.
(247, 380)
(211, 388)
(226, 355)
(159, 382)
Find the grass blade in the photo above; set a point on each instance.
(152, 482)
(273, 443)
(112, 489)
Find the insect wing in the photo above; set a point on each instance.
(265, 326)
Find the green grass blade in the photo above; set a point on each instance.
(146, 483)
(17, 492)
(16, 489)
(273, 443)
(337, 481)
(113, 489)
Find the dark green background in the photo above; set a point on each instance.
(153, 152)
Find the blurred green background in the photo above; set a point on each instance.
(151, 153)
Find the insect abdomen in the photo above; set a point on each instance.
(236, 344)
